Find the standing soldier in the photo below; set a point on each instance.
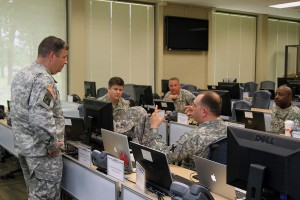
(37, 120)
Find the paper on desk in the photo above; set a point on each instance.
(115, 167)
(84, 155)
(140, 177)
(182, 118)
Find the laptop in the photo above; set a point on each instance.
(212, 175)
(252, 119)
(155, 163)
(117, 145)
(164, 105)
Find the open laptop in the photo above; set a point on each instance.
(164, 105)
(117, 145)
(252, 119)
(158, 175)
(212, 175)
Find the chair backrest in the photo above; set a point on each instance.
(189, 87)
(261, 99)
(250, 87)
(218, 151)
(125, 95)
(156, 96)
(76, 98)
(241, 104)
(101, 92)
(267, 85)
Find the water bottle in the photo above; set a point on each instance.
(296, 129)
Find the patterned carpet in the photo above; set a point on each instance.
(12, 189)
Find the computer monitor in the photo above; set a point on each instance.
(259, 161)
(143, 95)
(90, 89)
(97, 115)
(75, 129)
(229, 80)
(295, 86)
(165, 86)
(226, 102)
(252, 119)
(233, 88)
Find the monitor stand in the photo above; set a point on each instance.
(255, 182)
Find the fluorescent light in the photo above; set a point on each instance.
(286, 5)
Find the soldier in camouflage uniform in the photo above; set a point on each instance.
(38, 121)
(181, 97)
(129, 121)
(283, 109)
(205, 110)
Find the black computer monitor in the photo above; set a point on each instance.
(165, 86)
(226, 102)
(295, 86)
(252, 119)
(97, 115)
(143, 95)
(90, 89)
(75, 129)
(258, 160)
(233, 88)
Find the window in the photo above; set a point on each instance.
(23, 25)
(120, 42)
(234, 45)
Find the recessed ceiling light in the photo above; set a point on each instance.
(286, 5)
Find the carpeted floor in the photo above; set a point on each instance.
(12, 188)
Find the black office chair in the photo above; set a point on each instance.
(101, 92)
(156, 96)
(250, 87)
(261, 99)
(218, 151)
(241, 104)
(76, 98)
(189, 87)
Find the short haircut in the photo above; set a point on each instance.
(115, 81)
(213, 101)
(287, 89)
(174, 79)
(51, 44)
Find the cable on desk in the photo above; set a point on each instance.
(129, 180)
(191, 176)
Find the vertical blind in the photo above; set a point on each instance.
(233, 47)
(23, 25)
(280, 34)
(120, 42)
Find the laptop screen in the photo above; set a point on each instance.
(164, 105)
(156, 166)
(252, 119)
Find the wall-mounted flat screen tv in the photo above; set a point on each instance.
(186, 33)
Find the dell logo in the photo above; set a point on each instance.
(265, 139)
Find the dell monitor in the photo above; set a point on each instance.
(233, 88)
(90, 89)
(265, 164)
(252, 119)
(97, 115)
(226, 102)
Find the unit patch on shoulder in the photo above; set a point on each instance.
(47, 98)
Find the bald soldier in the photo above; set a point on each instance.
(206, 110)
(283, 109)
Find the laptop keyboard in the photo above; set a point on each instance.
(240, 194)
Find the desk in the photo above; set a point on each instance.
(131, 192)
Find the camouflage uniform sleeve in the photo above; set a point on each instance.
(166, 98)
(154, 140)
(187, 146)
(273, 122)
(190, 98)
(40, 112)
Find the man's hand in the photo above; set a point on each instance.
(155, 120)
(57, 150)
(173, 97)
(188, 110)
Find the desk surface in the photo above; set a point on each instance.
(174, 169)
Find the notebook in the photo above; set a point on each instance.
(212, 175)
(158, 175)
(164, 105)
(117, 145)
